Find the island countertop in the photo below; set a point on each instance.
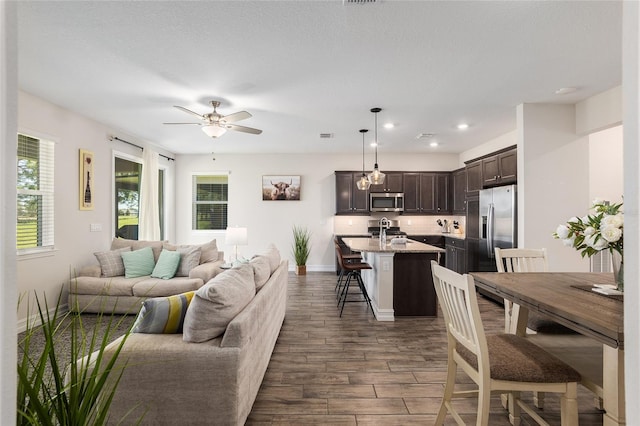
(373, 245)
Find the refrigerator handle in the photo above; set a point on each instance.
(490, 213)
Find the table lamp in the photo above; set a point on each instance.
(236, 237)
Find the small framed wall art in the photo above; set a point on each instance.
(86, 180)
(280, 188)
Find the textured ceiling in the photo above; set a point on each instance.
(308, 67)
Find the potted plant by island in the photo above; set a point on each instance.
(301, 248)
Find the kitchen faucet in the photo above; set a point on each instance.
(384, 225)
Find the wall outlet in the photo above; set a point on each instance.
(350, 222)
(385, 265)
(95, 227)
(409, 222)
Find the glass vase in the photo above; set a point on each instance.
(618, 269)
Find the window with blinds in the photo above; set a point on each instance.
(210, 200)
(35, 214)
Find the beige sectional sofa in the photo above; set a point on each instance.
(170, 381)
(105, 288)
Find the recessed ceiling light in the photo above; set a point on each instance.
(565, 90)
(433, 144)
(462, 126)
(374, 144)
(389, 125)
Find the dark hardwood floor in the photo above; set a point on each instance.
(355, 370)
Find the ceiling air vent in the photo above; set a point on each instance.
(326, 135)
(425, 135)
(345, 2)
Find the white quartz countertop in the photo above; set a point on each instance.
(373, 245)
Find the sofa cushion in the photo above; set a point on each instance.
(167, 265)
(189, 259)
(157, 287)
(209, 251)
(273, 255)
(217, 303)
(163, 315)
(111, 264)
(138, 263)
(156, 246)
(261, 270)
(112, 286)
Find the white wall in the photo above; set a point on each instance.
(271, 221)
(605, 165)
(502, 141)
(599, 112)
(74, 244)
(553, 179)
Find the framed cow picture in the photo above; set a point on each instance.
(280, 188)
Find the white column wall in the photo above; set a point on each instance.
(8, 287)
(631, 111)
(553, 178)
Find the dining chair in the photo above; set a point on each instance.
(352, 270)
(501, 363)
(519, 260)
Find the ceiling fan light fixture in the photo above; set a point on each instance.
(214, 131)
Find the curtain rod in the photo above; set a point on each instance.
(138, 146)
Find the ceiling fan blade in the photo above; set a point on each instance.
(188, 111)
(236, 116)
(197, 124)
(243, 129)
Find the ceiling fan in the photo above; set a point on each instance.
(215, 124)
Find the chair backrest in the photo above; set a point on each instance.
(457, 298)
(521, 260)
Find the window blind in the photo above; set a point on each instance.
(210, 202)
(35, 198)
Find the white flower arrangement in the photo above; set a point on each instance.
(603, 229)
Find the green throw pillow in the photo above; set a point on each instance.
(167, 265)
(138, 263)
(163, 315)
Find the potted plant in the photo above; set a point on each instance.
(56, 387)
(301, 248)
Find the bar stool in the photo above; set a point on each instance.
(352, 270)
(348, 257)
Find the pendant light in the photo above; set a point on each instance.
(376, 177)
(363, 184)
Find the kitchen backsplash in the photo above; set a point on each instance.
(412, 225)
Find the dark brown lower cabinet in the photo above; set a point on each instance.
(413, 290)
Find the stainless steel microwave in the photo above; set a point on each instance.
(386, 201)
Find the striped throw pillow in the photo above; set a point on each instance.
(163, 315)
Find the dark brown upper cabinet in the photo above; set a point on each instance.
(393, 182)
(349, 199)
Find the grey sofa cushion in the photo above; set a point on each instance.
(217, 303)
(157, 287)
(156, 246)
(209, 251)
(111, 264)
(261, 270)
(273, 255)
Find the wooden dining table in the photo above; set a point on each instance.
(568, 298)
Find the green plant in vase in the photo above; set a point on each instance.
(601, 229)
(301, 248)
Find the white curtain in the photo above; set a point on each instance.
(149, 221)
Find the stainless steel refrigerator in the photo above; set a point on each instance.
(497, 227)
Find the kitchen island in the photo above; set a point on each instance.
(400, 282)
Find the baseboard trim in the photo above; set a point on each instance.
(34, 320)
